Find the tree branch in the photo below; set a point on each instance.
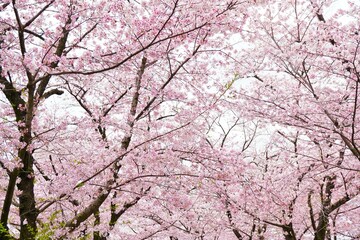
(52, 92)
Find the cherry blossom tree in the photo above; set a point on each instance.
(304, 83)
(179, 119)
(103, 109)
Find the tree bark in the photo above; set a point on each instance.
(4, 234)
(28, 211)
(323, 224)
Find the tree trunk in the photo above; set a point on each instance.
(289, 232)
(326, 196)
(4, 233)
(28, 212)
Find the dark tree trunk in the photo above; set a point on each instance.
(326, 196)
(4, 233)
(289, 232)
(28, 211)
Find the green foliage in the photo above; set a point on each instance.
(4, 232)
(31, 230)
(46, 230)
(230, 83)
